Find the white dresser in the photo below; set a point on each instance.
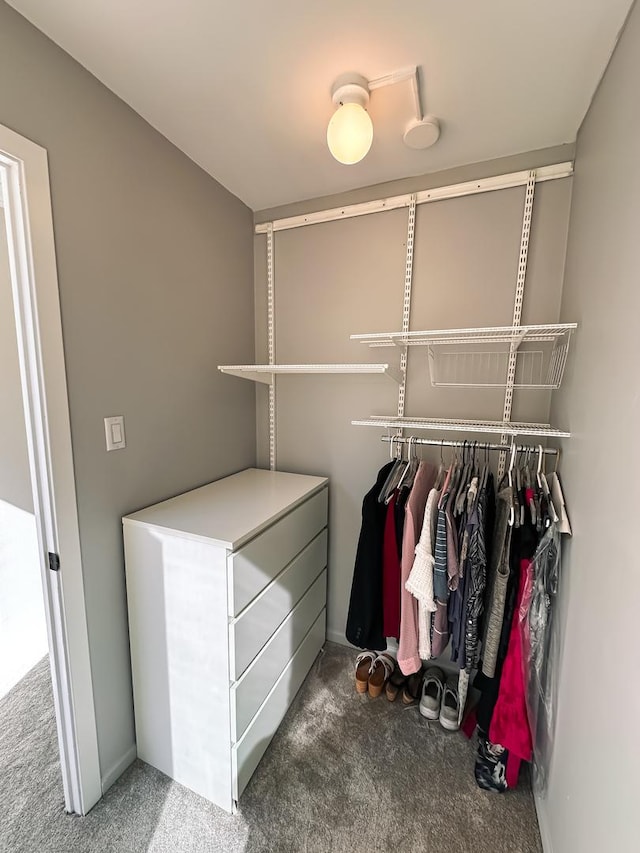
(226, 589)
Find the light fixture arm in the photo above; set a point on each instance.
(350, 130)
(409, 73)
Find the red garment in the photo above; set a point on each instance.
(509, 724)
(390, 574)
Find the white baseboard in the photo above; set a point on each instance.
(118, 768)
(338, 637)
(545, 835)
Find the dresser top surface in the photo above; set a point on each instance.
(231, 511)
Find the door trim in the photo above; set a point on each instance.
(24, 174)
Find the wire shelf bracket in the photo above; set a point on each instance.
(517, 310)
(271, 343)
(406, 306)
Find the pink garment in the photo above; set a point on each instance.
(408, 654)
(509, 724)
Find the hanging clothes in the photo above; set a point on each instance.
(459, 597)
(538, 639)
(509, 724)
(498, 579)
(480, 553)
(420, 580)
(408, 653)
(391, 574)
(365, 620)
(523, 543)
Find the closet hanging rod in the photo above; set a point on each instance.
(478, 445)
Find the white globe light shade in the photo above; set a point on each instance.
(350, 133)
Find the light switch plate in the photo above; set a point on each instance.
(114, 433)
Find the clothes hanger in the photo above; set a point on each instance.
(512, 514)
(397, 474)
(486, 469)
(455, 473)
(461, 493)
(555, 516)
(382, 496)
(473, 490)
(409, 473)
(440, 475)
(518, 509)
(529, 483)
(539, 468)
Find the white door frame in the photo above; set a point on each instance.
(24, 174)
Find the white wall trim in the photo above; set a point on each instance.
(338, 637)
(482, 185)
(25, 180)
(118, 768)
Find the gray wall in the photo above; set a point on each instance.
(15, 477)
(155, 271)
(592, 800)
(346, 277)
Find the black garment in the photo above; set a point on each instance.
(524, 541)
(364, 621)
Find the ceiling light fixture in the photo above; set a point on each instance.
(350, 130)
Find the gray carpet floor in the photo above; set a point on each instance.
(343, 774)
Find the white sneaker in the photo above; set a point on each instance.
(432, 688)
(450, 705)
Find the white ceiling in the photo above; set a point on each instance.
(243, 88)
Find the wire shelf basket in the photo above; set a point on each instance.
(479, 357)
(535, 369)
(452, 365)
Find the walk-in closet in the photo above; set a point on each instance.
(323, 321)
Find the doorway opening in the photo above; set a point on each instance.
(44, 505)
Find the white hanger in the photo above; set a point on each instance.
(538, 472)
(512, 460)
(410, 441)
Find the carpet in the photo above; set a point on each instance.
(343, 774)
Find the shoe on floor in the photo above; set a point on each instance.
(395, 684)
(364, 665)
(381, 670)
(432, 689)
(450, 704)
(411, 690)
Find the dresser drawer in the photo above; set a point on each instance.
(246, 754)
(251, 690)
(256, 565)
(257, 622)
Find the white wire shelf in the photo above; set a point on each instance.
(480, 357)
(265, 372)
(459, 425)
(480, 335)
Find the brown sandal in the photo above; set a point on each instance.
(364, 666)
(395, 684)
(381, 670)
(411, 692)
